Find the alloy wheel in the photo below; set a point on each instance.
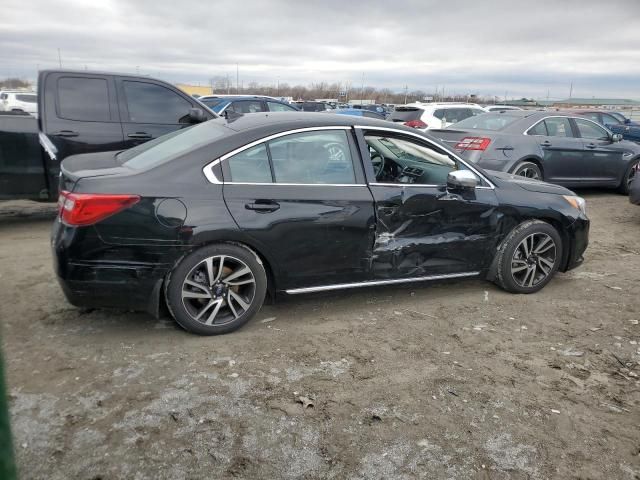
(529, 172)
(533, 259)
(218, 290)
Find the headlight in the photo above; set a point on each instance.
(577, 202)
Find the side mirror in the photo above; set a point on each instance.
(627, 121)
(616, 137)
(462, 179)
(196, 115)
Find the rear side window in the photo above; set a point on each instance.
(85, 99)
(558, 127)
(251, 165)
(26, 98)
(406, 114)
(591, 130)
(151, 103)
(314, 157)
(246, 106)
(279, 107)
(538, 129)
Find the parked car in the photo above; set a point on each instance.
(616, 122)
(12, 101)
(634, 185)
(313, 106)
(498, 108)
(557, 147)
(356, 112)
(211, 218)
(242, 104)
(80, 112)
(425, 116)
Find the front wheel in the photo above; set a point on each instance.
(528, 170)
(629, 175)
(216, 289)
(529, 257)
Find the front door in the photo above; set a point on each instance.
(423, 229)
(563, 151)
(302, 198)
(602, 163)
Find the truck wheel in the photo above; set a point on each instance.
(216, 289)
(529, 257)
(528, 170)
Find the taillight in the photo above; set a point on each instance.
(88, 208)
(473, 143)
(416, 124)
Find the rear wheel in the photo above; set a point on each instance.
(528, 170)
(216, 289)
(529, 257)
(629, 175)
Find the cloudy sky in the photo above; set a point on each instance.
(522, 47)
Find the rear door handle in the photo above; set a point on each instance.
(66, 133)
(262, 207)
(139, 135)
(591, 145)
(546, 143)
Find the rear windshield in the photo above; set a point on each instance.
(487, 121)
(170, 146)
(26, 98)
(406, 114)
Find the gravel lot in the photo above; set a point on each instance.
(453, 381)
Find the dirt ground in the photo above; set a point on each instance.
(435, 381)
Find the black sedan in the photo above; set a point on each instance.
(212, 218)
(566, 149)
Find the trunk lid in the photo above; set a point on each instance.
(88, 165)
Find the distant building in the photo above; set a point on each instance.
(195, 89)
(608, 103)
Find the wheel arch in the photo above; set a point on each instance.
(530, 158)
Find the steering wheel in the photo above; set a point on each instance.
(377, 161)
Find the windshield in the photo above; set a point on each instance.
(619, 116)
(170, 146)
(215, 104)
(487, 121)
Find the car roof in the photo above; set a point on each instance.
(294, 120)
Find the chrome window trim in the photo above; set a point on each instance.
(403, 132)
(208, 169)
(417, 185)
(526, 132)
(369, 283)
(300, 184)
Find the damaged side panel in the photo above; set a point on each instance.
(422, 230)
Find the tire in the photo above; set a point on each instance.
(216, 289)
(528, 170)
(519, 273)
(631, 171)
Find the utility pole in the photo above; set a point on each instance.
(237, 79)
(570, 91)
(59, 59)
(278, 87)
(362, 92)
(406, 92)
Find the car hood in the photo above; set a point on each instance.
(531, 185)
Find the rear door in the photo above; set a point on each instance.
(602, 161)
(150, 109)
(79, 113)
(301, 196)
(563, 152)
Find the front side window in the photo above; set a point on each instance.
(312, 157)
(251, 165)
(151, 103)
(84, 99)
(591, 130)
(402, 160)
(558, 127)
(279, 107)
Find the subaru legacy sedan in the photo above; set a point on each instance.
(210, 219)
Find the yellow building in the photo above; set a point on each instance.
(195, 89)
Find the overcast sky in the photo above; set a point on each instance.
(526, 48)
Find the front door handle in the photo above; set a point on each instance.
(591, 146)
(142, 135)
(546, 143)
(262, 207)
(66, 133)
